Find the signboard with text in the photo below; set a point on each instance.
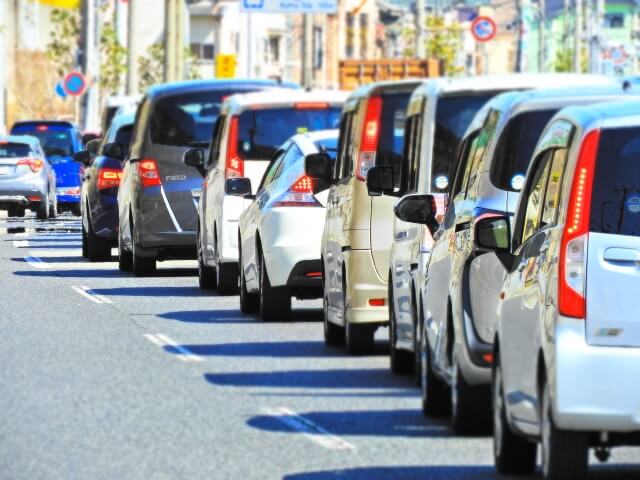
(226, 66)
(289, 6)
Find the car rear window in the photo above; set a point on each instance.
(391, 132)
(515, 148)
(187, 119)
(123, 136)
(453, 116)
(261, 132)
(328, 146)
(615, 201)
(56, 141)
(14, 150)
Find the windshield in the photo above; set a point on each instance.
(453, 116)
(515, 147)
(328, 146)
(615, 201)
(55, 141)
(14, 150)
(261, 132)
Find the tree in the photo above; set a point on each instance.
(444, 42)
(113, 60)
(61, 50)
(564, 60)
(151, 66)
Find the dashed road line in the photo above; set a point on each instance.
(91, 295)
(21, 243)
(35, 261)
(309, 429)
(181, 352)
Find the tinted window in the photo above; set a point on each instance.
(123, 136)
(453, 116)
(615, 202)
(14, 150)
(186, 120)
(345, 147)
(465, 160)
(56, 141)
(391, 139)
(535, 198)
(328, 146)
(552, 195)
(261, 132)
(516, 145)
(273, 170)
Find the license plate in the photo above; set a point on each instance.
(5, 169)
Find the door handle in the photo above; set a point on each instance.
(621, 255)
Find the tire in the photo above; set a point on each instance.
(85, 249)
(16, 211)
(125, 259)
(206, 275)
(249, 302)
(275, 302)
(141, 266)
(333, 334)
(75, 209)
(98, 248)
(513, 454)
(42, 212)
(435, 393)
(565, 454)
(402, 361)
(53, 208)
(470, 405)
(226, 274)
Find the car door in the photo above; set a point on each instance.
(208, 193)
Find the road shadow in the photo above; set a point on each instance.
(288, 349)
(151, 292)
(356, 378)
(378, 423)
(79, 273)
(209, 316)
(66, 246)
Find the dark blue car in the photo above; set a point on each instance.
(60, 141)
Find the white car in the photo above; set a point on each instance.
(280, 232)
(250, 129)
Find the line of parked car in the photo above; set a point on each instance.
(490, 222)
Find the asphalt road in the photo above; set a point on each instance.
(108, 376)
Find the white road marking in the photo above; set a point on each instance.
(312, 431)
(164, 341)
(91, 295)
(21, 243)
(35, 262)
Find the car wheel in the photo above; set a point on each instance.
(141, 265)
(125, 259)
(249, 302)
(16, 211)
(226, 275)
(53, 207)
(513, 454)
(275, 302)
(565, 454)
(85, 250)
(206, 275)
(75, 209)
(98, 248)
(470, 405)
(402, 361)
(42, 212)
(435, 393)
(333, 334)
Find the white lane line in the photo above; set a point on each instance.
(153, 339)
(35, 262)
(185, 354)
(91, 295)
(21, 243)
(312, 431)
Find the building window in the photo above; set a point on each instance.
(614, 20)
(274, 48)
(350, 36)
(364, 35)
(318, 48)
(203, 51)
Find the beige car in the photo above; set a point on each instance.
(357, 231)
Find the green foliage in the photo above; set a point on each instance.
(61, 49)
(443, 42)
(151, 66)
(190, 65)
(564, 60)
(113, 59)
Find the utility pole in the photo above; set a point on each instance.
(90, 65)
(600, 41)
(169, 40)
(542, 37)
(179, 46)
(4, 54)
(577, 40)
(421, 40)
(132, 44)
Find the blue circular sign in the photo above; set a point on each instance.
(74, 84)
(483, 29)
(60, 90)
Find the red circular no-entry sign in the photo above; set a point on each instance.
(74, 84)
(483, 29)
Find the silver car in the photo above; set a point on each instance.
(27, 180)
(567, 343)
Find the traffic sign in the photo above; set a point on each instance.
(226, 66)
(74, 84)
(483, 29)
(289, 6)
(60, 90)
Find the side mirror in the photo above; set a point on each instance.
(93, 146)
(380, 180)
(83, 157)
(418, 208)
(237, 186)
(492, 234)
(113, 150)
(318, 166)
(194, 157)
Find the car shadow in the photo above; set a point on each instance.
(448, 472)
(209, 316)
(385, 423)
(286, 349)
(65, 246)
(79, 273)
(170, 291)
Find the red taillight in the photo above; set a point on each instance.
(376, 302)
(42, 128)
(148, 173)
(313, 274)
(300, 194)
(109, 178)
(311, 105)
(35, 164)
(370, 137)
(573, 249)
(234, 165)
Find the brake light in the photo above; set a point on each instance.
(310, 105)
(109, 178)
(376, 302)
(370, 137)
(573, 249)
(35, 164)
(42, 128)
(313, 274)
(234, 165)
(300, 194)
(148, 173)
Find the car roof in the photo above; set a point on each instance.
(123, 119)
(515, 81)
(408, 85)
(608, 114)
(24, 139)
(123, 100)
(281, 97)
(56, 123)
(187, 86)
(307, 141)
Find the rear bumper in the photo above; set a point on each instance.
(19, 193)
(363, 284)
(594, 388)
